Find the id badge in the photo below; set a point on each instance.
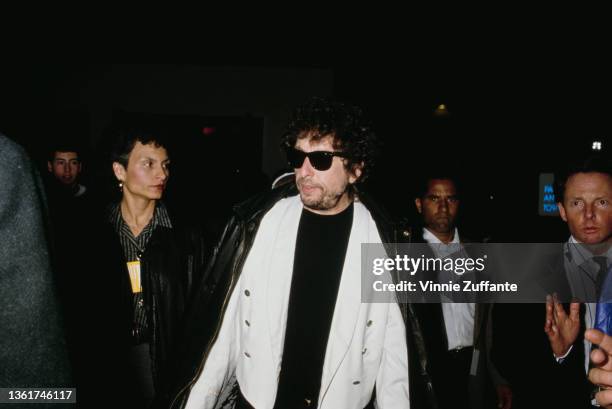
(134, 271)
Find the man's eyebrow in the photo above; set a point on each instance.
(152, 159)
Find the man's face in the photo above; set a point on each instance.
(586, 207)
(439, 206)
(146, 174)
(324, 192)
(66, 167)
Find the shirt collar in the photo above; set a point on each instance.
(581, 253)
(160, 216)
(432, 239)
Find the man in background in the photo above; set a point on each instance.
(455, 330)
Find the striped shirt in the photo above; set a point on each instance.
(133, 249)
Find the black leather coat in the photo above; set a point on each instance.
(171, 267)
(204, 319)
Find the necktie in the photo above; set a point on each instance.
(603, 313)
(601, 279)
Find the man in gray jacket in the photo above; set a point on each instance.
(32, 346)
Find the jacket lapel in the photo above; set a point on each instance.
(348, 302)
(279, 268)
(480, 315)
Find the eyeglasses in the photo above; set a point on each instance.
(320, 160)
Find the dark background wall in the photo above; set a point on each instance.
(506, 124)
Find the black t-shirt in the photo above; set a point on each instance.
(318, 262)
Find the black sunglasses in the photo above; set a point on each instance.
(320, 160)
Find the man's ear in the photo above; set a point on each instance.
(418, 204)
(119, 171)
(49, 166)
(562, 212)
(355, 172)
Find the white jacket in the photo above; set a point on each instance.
(367, 341)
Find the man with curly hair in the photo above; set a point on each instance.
(281, 319)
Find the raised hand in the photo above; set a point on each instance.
(562, 329)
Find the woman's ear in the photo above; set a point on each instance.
(119, 171)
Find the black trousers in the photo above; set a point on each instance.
(452, 384)
(242, 403)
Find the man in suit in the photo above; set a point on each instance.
(585, 204)
(535, 360)
(454, 329)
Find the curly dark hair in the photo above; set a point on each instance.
(352, 134)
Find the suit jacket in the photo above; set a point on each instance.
(366, 347)
(522, 352)
(223, 274)
(32, 345)
(432, 323)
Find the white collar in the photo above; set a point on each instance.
(432, 239)
(579, 256)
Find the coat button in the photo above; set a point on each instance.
(247, 293)
(248, 324)
(364, 351)
(307, 402)
(247, 354)
(369, 323)
(356, 383)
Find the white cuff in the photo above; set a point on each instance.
(560, 359)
